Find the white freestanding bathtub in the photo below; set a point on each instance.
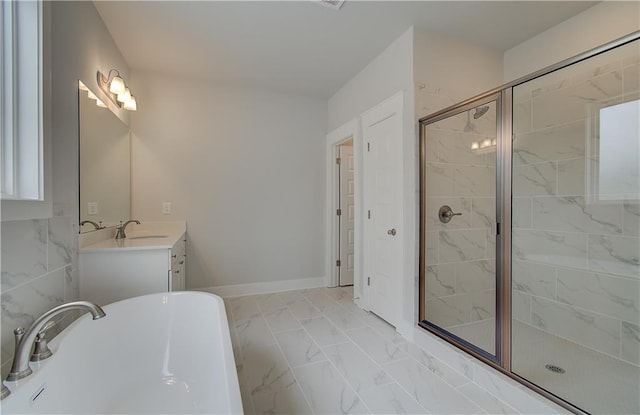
(167, 353)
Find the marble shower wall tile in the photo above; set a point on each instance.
(455, 147)
(62, 242)
(572, 103)
(553, 248)
(462, 245)
(473, 276)
(449, 311)
(583, 327)
(631, 217)
(615, 254)
(440, 280)
(440, 179)
(483, 305)
(432, 240)
(605, 294)
(534, 279)
(630, 348)
(574, 214)
(521, 306)
(572, 176)
(476, 181)
(521, 212)
(484, 212)
(556, 143)
(534, 179)
(24, 251)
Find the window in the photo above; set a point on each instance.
(21, 119)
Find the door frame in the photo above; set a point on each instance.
(342, 134)
(382, 111)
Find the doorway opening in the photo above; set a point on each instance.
(345, 212)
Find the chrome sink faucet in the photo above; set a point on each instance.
(25, 341)
(95, 225)
(121, 234)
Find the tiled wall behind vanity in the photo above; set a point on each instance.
(576, 246)
(39, 272)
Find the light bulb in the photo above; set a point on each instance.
(117, 85)
(131, 104)
(486, 143)
(124, 96)
(475, 145)
(100, 104)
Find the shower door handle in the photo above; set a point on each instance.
(391, 232)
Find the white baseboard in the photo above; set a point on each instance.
(265, 287)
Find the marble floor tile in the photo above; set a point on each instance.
(360, 371)
(378, 348)
(323, 331)
(303, 310)
(254, 332)
(298, 348)
(294, 358)
(391, 399)
(435, 365)
(326, 391)
(287, 400)
(266, 370)
(484, 400)
(428, 389)
(281, 320)
(243, 308)
(343, 318)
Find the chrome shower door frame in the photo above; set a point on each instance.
(504, 117)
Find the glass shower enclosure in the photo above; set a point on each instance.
(530, 228)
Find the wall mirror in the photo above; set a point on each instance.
(105, 164)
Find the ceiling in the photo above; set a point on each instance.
(302, 47)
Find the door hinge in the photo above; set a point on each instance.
(338, 160)
(339, 212)
(368, 214)
(368, 146)
(368, 280)
(338, 263)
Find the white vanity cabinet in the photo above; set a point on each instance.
(115, 270)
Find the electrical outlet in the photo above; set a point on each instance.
(166, 208)
(92, 208)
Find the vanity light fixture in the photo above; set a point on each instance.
(115, 87)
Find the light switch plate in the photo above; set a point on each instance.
(166, 208)
(92, 208)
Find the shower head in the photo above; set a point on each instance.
(480, 111)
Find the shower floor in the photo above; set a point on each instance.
(593, 381)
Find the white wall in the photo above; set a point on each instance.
(593, 27)
(244, 168)
(448, 71)
(390, 72)
(82, 45)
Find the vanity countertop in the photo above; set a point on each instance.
(147, 235)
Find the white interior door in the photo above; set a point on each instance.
(347, 217)
(382, 133)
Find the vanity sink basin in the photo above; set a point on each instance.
(147, 236)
